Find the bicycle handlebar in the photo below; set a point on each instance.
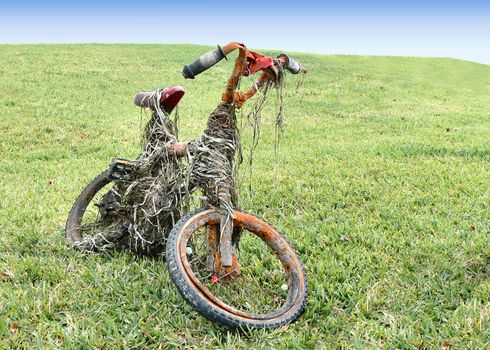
(204, 62)
(247, 63)
(290, 64)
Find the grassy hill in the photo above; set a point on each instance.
(381, 182)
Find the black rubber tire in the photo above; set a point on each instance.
(209, 309)
(74, 220)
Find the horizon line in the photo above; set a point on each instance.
(262, 49)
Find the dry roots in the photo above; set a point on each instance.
(145, 205)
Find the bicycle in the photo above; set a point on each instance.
(232, 267)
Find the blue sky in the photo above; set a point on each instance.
(459, 29)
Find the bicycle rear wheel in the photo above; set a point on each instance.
(91, 225)
(268, 290)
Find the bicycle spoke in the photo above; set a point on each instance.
(262, 284)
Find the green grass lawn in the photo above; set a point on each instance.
(381, 182)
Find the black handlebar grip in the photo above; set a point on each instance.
(204, 62)
(290, 64)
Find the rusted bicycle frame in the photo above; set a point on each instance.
(246, 63)
(145, 208)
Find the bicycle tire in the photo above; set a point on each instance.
(211, 307)
(74, 220)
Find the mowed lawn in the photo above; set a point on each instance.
(381, 181)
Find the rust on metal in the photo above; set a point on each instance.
(229, 93)
(240, 98)
(256, 62)
(178, 149)
(247, 62)
(262, 230)
(212, 232)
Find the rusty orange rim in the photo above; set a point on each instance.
(261, 229)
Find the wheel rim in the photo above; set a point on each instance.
(260, 292)
(86, 228)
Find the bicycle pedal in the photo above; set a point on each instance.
(120, 169)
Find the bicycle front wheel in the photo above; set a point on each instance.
(268, 289)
